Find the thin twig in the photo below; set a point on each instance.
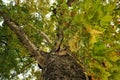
(42, 34)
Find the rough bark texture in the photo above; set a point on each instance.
(62, 68)
(56, 65)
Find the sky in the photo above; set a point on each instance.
(36, 68)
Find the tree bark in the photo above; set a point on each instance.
(62, 67)
(57, 65)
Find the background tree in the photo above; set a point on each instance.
(88, 29)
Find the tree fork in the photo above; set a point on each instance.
(54, 66)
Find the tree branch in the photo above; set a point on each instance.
(69, 2)
(38, 54)
(42, 34)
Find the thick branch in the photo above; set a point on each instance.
(24, 40)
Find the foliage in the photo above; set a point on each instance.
(91, 29)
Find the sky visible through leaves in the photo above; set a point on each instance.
(91, 30)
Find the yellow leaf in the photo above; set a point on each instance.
(114, 57)
(73, 43)
(94, 34)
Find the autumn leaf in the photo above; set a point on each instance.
(113, 56)
(94, 34)
(73, 43)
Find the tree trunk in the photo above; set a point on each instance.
(57, 65)
(62, 67)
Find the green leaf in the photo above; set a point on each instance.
(105, 21)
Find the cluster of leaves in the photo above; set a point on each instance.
(91, 29)
(14, 58)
